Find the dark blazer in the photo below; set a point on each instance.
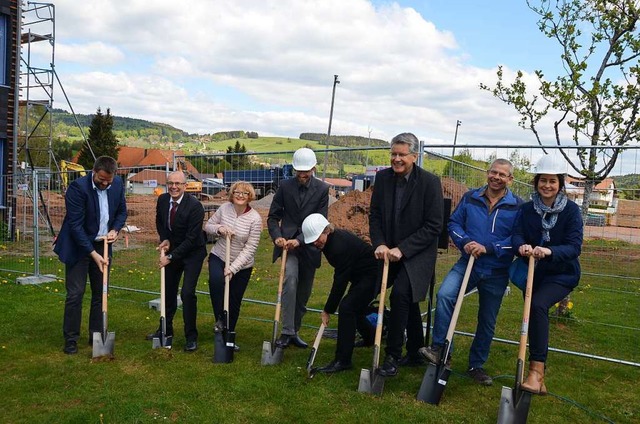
(353, 261)
(420, 223)
(287, 212)
(563, 266)
(186, 235)
(82, 220)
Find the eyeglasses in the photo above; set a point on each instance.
(400, 155)
(241, 193)
(173, 183)
(498, 174)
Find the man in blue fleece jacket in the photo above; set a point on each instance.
(480, 226)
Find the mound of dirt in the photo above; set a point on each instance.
(351, 212)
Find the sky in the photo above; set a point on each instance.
(268, 65)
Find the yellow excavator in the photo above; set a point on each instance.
(68, 167)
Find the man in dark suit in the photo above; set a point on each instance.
(96, 209)
(179, 218)
(296, 199)
(405, 222)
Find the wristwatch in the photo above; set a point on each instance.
(169, 256)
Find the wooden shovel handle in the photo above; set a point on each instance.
(459, 300)
(283, 266)
(383, 295)
(163, 310)
(105, 275)
(227, 278)
(316, 342)
(524, 330)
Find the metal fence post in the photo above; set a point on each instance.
(36, 235)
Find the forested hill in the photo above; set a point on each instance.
(344, 140)
(138, 132)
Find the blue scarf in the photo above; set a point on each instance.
(548, 214)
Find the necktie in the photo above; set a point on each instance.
(172, 214)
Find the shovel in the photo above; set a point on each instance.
(311, 372)
(271, 354)
(436, 377)
(514, 403)
(224, 341)
(163, 340)
(370, 380)
(103, 342)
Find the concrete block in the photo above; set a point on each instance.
(155, 303)
(36, 279)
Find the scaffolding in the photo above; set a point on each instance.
(36, 81)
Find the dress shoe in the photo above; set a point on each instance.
(191, 346)
(283, 341)
(389, 368)
(70, 347)
(298, 342)
(363, 343)
(412, 360)
(335, 366)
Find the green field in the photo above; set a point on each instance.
(40, 384)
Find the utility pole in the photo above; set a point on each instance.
(453, 153)
(326, 153)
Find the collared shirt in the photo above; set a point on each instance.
(303, 189)
(399, 189)
(491, 205)
(103, 202)
(171, 206)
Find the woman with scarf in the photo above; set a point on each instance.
(550, 229)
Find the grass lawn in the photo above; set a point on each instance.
(41, 384)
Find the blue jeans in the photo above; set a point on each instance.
(491, 287)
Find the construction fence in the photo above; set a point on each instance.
(35, 212)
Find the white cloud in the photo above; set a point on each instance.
(90, 54)
(268, 66)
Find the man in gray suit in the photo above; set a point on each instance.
(296, 199)
(405, 221)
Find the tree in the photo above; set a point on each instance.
(466, 169)
(237, 156)
(101, 138)
(596, 101)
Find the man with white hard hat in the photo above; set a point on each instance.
(354, 263)
(295, 199)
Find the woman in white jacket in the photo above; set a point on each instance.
(239, 220)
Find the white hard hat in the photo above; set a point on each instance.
(550, 165)
(313, 226)
(304, 159)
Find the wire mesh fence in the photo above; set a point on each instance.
(35, 210)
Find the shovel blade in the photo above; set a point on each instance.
(514, 406)
(271, 356)
(223, 347)
(103, 347)
(433, 384)
(364, 385)
(370, 382)
(162, 341)
(377, 385)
